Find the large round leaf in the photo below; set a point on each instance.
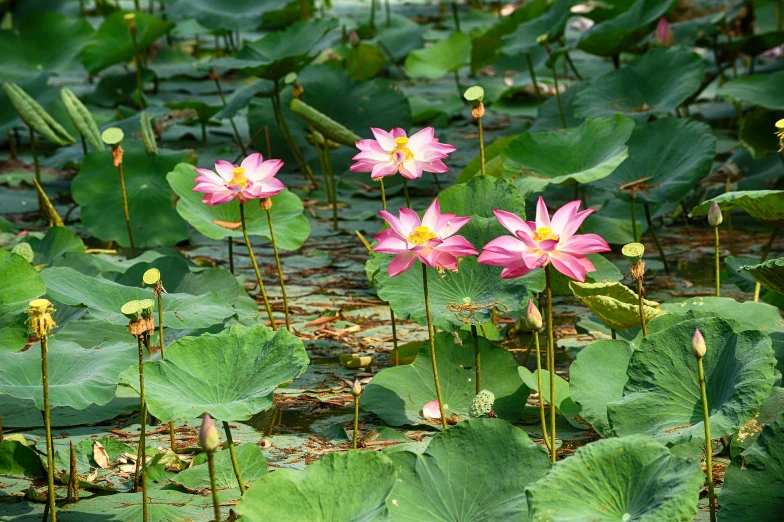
(78, 377)
(231, 375)
(154, 221)
(754, 481)
(575, 155)
(525, 36)
(290, 224)
(766, 206)
(611, 37)
(673, 154)
(662, 396)
(763, 90)
(338, 488)
(440, 58)
(615, 304)
(658, 82)
(163, 504)
(21, 284)
(460, 298)
(475, 471)
(480, 196)
(631, 479)
(249, 458)
(231, 15)
(769, 274)
(57, 242)
(398, 394)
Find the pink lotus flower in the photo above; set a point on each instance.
(432, 240)
(431, 411)
(544, 241)
(253, 179)
(664, 35)
(393, 152)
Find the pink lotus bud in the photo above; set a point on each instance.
(714, 215)
(664, 34)
(208, 434)
(356, 390)
(533, 318)
(698, 347)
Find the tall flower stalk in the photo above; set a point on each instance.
(550, 357)
(356, 391)
(233, 454)
(113, 136)
(391, 312)
(266, 205)
(41, 323)
(699, 349)
(633, 253)
(130, 21)
(209, 442)
(475, 95)
(533, 320)
(714, 219)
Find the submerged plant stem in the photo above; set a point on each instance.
(457, 18)
(655, 238)
(213, 485)
(256, 268)
(391, 312)
(280, 271)
(431, 338)
(125, 210)
(48, 427)
(233, 455)
(141, 458)
(717, 261)
(477, 359)
(533, 75)
(539, 390)
(708, 445)
(550, 357)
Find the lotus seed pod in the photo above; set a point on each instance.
(265, 203)
(208, 434)
(475, 95)
(533, 318)
(24, 250)
(132, 310)
(698, 347)
(40, 319)
(356, 390)
(147, 307)
(151, 276)
(633, 252)
(112, 136)
(482, 404)
(714, 215)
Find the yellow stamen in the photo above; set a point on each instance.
(420, 236)
(239, 177)
(402, 143)
(544, 233)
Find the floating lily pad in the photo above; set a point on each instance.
(480, 196)
(19, 460)
(231, 375)
(769, 274)
(57, 242)
(576, 155)
(633, 478)
(762, 90)
(231, 15)
(766, 206)
(618, 34)
(164, 504)
(485, 47)
(341, 486)
(477, 470)
(21, 284)
(440, 58)
(525, 37)
(662, 395)
(493, 160)
(615, 304)
(249, 458)
(398, 394)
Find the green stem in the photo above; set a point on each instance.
(456, 18)
(777, 8)
(558, 97)
(405, 192)
(477, 359)
(231, 255)
(280, 271)
(233, 455)
(540, 389)
(256, 268)
(125, 209)
(327, 186)
(641, 306)
(431, 338)
(634, 222)
(138, 59)
(550, 357)
(391, 312)
(288, 138)
(457, 84)
(708, 445)
(655, 238)
(612, 334)
(37, 167)
(48, 428)
(141, 459)
(160, 326)
(533, 75)
(203, 131)
(717, 263)
(572, 66)
(356, 422)
(213, 485)
(84, 144)
(372, 22)
(331, 172)
(1, 429)
(388, 13)
(481, 145)
(231, 120)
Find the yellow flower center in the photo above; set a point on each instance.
(420, 235)
(401, 147)
(239, 178)
(543, 234)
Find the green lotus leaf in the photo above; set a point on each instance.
(753, 484)
(618, 34)
(766, 206)
(153, 219)
(78, 377)
(249, 458)
(105, 298)
(46, 41)
(85, 455)
(762, 90)
(606, 272)
(615, 304)
(279, 53)
(525, 36)
(662, 395)
(19, 460)
(563, 401)
(57, 242)
(288, 220)
(21, 284)
(231, 375)
(231, 15)
(457, 298)
(634, 479)
(440, 58)
(769, 274)
(204, 111)
(597, 377)
(480, 196)
(751, 431)
(398, 394)
(476, 470)
(576, 155)
(365, 61)
(22, 413)
(658, 82)
(493, 161)
(163, 504)
(400, 35)
(112, 42)
(548, 117)
(340, 487)
(671, 155)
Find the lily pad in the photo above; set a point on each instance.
(576, 155)
(398, 394)
(762, 90)
(493, 161)
(662, 396)
(769, 274)
(341, 486)
(661, 80)
(21, 284)
(231, 15)
(164, 504)
(249, 458)
(480, 196)
(231, 375)
(18, 460)
(441, 58)
(288, 220)
(525, 37)
(615, 304)
(154, 221)
(57, 242)
(618, 34)
(766, 206)
(630, 479)
(474, 471)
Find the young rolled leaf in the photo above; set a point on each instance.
(615, 304)
(82, 119)
(148, 135)
(323, 123)
(36, 116)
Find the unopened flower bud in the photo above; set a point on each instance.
(265, 203)
(533, 318)
(664, 35)
(714, 215)
(208, 434)
(356, 390)
(353, 38)
(698, 347)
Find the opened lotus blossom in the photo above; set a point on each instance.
(393, 152)
(432, 239)
(537, 243)
(254, 178)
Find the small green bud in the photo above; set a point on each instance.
(714, 215)
(698, 348)
(482, 404)
(633, 252)
(112, 136)
(356, 390)
(533, 318)
(208, 434)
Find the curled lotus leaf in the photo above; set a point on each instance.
(615, 304)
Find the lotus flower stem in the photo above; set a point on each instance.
(659, 247)
(280, 270)
(635, 238)
(405, 192)
(699, 350)
(48, 428)
(717, 260)
(231, 256)
(130, 20)
(535, 335)
(331, 172)
(431, 338)
(288, 138)
(550, 357)
(141, 460)
(37, 167)
(457, 19)
(356, 391)
(391, 312)
(572, 66)
(214, 75)
(640, 293)
(477, 359)
(765, 252)
(213, 485)
(256, 268)
(533, 75)
(233, 454)
(320, 151)
(117, 154)
(11, 144)
(558, 96)
(73, 478)
(612, 333)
